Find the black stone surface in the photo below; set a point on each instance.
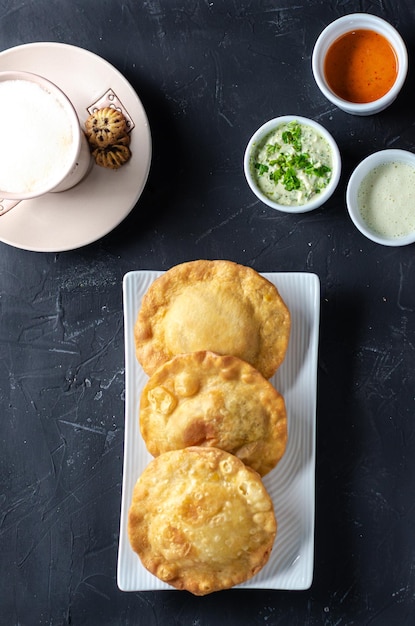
(208, 73)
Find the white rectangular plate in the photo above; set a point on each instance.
(291, 484)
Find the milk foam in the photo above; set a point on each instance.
(37, 138)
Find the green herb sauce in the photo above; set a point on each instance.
(292, 164)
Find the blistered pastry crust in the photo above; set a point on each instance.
(201, 520)
(205, 399)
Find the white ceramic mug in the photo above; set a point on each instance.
(44, 148)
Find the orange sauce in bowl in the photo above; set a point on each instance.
(361, 66)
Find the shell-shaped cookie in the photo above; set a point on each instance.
(105, 127)
(112, 157)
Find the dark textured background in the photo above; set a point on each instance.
(208, 74)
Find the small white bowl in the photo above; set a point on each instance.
(364, 168)
(345, 24)
(265, 130)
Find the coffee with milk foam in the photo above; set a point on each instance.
(37, 138)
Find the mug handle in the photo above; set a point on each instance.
(6, 205)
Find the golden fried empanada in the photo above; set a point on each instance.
(206, 399)
(201, 520)
(212, 305)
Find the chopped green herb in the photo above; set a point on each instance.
(302, 161)
(290, 179)
(272, 148)
(276, 175)
(262, 168)
(321, 170)
(293, 135)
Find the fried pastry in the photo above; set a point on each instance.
(219, 306)
(206, 399)
(201, 520)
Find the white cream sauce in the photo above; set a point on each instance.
(386, 199)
